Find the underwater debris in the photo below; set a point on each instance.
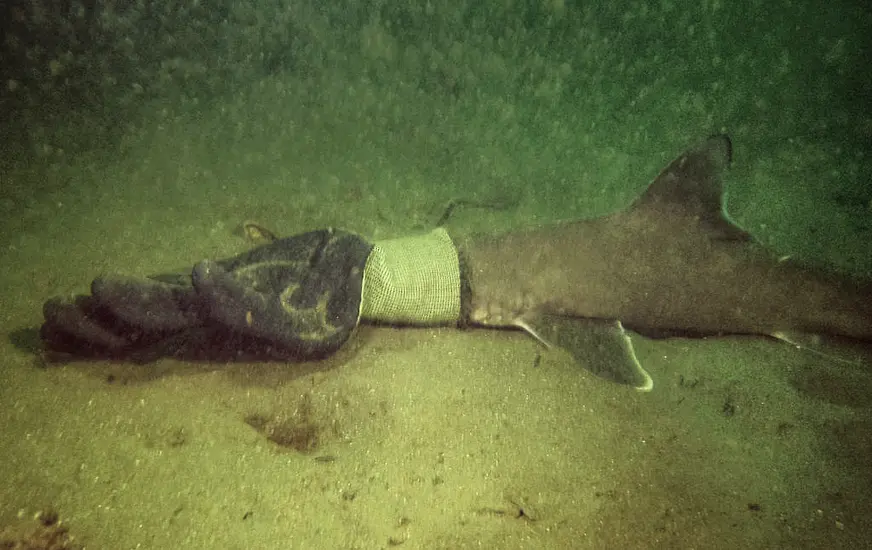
(46, 534)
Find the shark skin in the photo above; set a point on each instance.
(670, 263)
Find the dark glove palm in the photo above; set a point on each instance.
(301, 293)
(295, 298)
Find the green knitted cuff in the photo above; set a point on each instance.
(412, 280)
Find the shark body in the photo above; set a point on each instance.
(671, 263)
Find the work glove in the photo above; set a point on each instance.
(294, 298)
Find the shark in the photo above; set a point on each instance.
(672, 263)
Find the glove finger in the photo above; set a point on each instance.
(150, 306)
(77, 326)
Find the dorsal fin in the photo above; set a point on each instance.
(690, 188)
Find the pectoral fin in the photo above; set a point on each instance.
(601, 346)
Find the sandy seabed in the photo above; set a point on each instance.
(412, 438)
